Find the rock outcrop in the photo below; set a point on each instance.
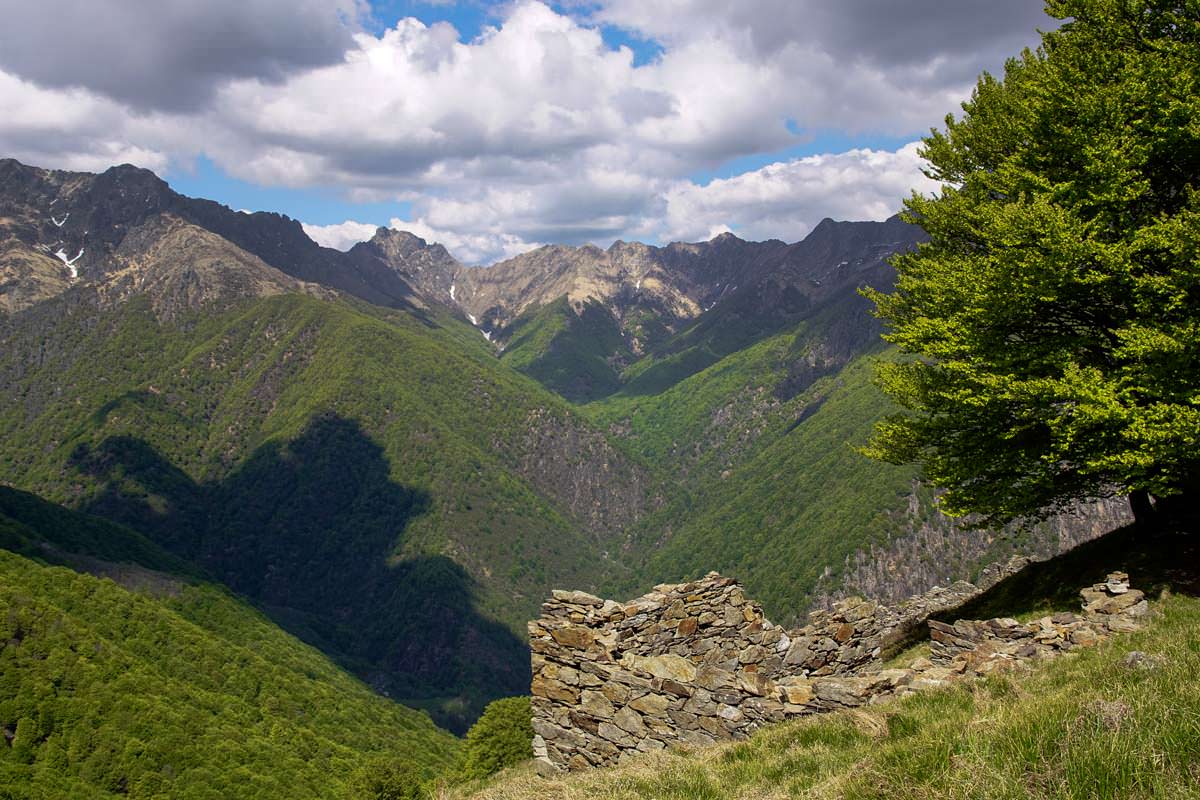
(698, 662)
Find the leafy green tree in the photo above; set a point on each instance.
(1056, 308)
(385, 780)
(24, 743)
(503, 736)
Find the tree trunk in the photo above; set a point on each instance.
(1144, 515)
(1177, 511)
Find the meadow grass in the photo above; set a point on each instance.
(1082, 726)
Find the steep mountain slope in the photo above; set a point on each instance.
(163, 685)
(381, 488)
(578, 352)
(773, 490)
(815, 281)
(671, 285)
(59, 229)
(34, 528)
(585, 321)
(750, 408)
(428, 268)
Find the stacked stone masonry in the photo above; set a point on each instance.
(698, 662)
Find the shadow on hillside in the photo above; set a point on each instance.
(307, 529)
(1156, 561)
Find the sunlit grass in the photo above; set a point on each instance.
(1083, 726)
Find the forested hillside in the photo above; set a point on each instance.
(380, 487)
(149, 681)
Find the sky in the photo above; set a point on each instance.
(497, 127)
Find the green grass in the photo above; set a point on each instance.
(1083, 726)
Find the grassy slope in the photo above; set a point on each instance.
(805, 498)
(366, 455)
(32, 527)
(775, 492)
(566, 352)
(1083, 726)
(176, 690)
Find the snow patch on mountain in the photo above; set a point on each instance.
(70, 262)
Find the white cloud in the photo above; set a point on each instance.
(341, 236)
(76, 129)
(536, 131)
(468, 245)
(781, 200)
(784, 200)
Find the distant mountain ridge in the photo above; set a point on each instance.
(60, 228)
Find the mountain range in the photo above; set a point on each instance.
(395, 456)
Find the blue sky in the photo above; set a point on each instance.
(495, 127)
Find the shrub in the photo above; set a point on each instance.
(503, 736)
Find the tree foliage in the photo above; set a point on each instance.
(180, 690)
(382, 779)
(1056, 309)
(502, 737)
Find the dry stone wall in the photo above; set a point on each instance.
(698, 662)
(1108, 607)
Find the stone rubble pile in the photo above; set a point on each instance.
(697, 662)
(1108, 607)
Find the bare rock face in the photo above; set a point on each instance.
(29, 275)
(148, 261)
(935, 549)
(676, 283)
(654, 292)
(428, 268)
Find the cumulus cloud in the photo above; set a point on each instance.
(77, 130)
(418, 106)
(341, 236)
(936, 42)
(536, 130)
(170, 54)
(784, 200)
(468, 245)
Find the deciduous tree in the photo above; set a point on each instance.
(1055, 312)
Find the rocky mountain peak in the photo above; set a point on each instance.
(397, 241)
(62, 227)
(428, 269)
(59, 229)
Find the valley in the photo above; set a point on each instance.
(353, 352)
(395, 457)
(329, 435)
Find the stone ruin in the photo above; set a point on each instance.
(698, 662)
